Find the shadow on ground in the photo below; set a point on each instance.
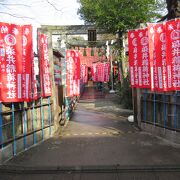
(98, 143)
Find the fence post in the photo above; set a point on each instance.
(1, 127)
(175, 111)
(13, 131)
(42, 119)
(24, 124)
(49, 114)
(33, 123)
(134, 97)
(67, 109)
(154, 110)
(145, 105)
(165, 110)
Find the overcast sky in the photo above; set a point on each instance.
(40, 12)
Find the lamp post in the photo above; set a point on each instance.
(112, 82)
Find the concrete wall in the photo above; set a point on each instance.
(167, 134)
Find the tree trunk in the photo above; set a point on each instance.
(173, 7)
(120, 46)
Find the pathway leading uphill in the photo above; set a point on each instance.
(98, 143)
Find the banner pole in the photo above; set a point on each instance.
(42, 119)
(175, 111)
(154, 109)
(1, 127)
(13, 131)
(134, 101)
(165, 111)
(24, 124)
(145, 105)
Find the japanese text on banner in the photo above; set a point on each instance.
(133, 58)
(157, 54)
(27, 58)
(73, 73)
(173, 54)
(45, 65)
(143, 58)
(10, 62)
(139, 58)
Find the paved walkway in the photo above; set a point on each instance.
(98, 143)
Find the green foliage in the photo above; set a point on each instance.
(121, 15)
(125, 93)
(92, 52)
(84, 52)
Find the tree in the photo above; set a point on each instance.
(118, 15)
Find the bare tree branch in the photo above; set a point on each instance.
(53, 6)
(7, 4)
(7, 7)
(15, 15)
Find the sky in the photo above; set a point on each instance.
(40, 12)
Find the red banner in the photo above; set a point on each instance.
(139, 58)
(164, 56)
(76, 86)
(84, 73)
(133, 58)
(34, 81)
(173, 54)
(27, 58)
(14, 49)
(76, 74)
(72, 73)
(94, 73)
(100, 72)
(11, 62)
(76, 66)
(69, 73)
(106, 72)
(157, 54)
(90, 55)
(143, 56)
(44, 65)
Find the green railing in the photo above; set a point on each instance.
(19, 120)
